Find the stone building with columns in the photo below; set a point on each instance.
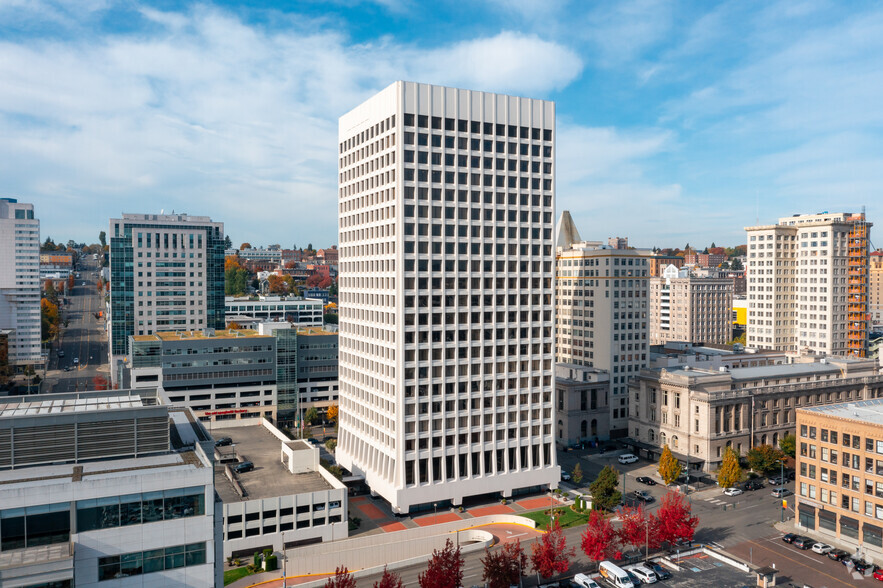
(699, 411)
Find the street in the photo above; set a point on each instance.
(83, 339)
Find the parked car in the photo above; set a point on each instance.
(803, 542)
(646, 480)
(861, 566)
(838, 554)
(661, 572)
(781, 492)
(61, 353)
(777, 481)
(821, 548)
(565, 476)
(67, 368)
(732, 491)
(753, 485)
(878, 574)
(627, 458)
(643, 495)
(583, 581)
(644, 574)
(790, 537)
(245, 466)
(223, 442)
(76, 360)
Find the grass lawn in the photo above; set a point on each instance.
(231, 576)
(567, 519)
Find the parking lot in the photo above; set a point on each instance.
(700, 571)
(799, 566)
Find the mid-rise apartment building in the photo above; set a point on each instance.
(808, 284)
(20, 281)
(839, 479)
(446, 204)
(688, 308)
(166, 274)
(699, 411)
(110, 488)
(602, 315)
(705, 259)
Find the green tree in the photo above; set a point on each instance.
(577, 474)
(764, 458)
(102, 238)
(669, 468)
(228, 244)
(312, 415)
(736, 265)
(730, 471)
(331, 445)
(605, 496)
(788, 445)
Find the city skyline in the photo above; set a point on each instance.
(705, 118)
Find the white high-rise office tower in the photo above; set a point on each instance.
(808, 284)
(20, 281)
(446, 207)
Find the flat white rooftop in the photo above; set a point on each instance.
(865, 411)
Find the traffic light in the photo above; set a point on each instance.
(784, 504)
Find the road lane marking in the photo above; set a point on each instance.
(812, 569)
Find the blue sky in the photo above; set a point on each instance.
(677, 121)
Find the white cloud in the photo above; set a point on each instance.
(507, 62)
(209, 115)
(622, 31)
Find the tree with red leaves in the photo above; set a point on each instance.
(673, 519)
(550, 554)
(504, 567)
(389, 580)
(341, 579)
(638, 527)
(445, 568)
(600, 540)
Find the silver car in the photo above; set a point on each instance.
(644, 574)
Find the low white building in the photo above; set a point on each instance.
(303, 312)
(287, 500)
(108, 488)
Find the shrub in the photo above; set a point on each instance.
(268, 552)
(256, 561)
(271, 563)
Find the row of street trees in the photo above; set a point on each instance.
(549, 555)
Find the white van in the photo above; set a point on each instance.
(585, 581)
(628, 458)
(614, 575)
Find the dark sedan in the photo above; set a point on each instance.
(753, 485)
(803, 542)
(661, 572)
(860, 565)
(790, 537)
(646, 480)
(838, 555)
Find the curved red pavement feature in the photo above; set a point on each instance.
(390, 527)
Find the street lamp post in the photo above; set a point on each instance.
(782, 481)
